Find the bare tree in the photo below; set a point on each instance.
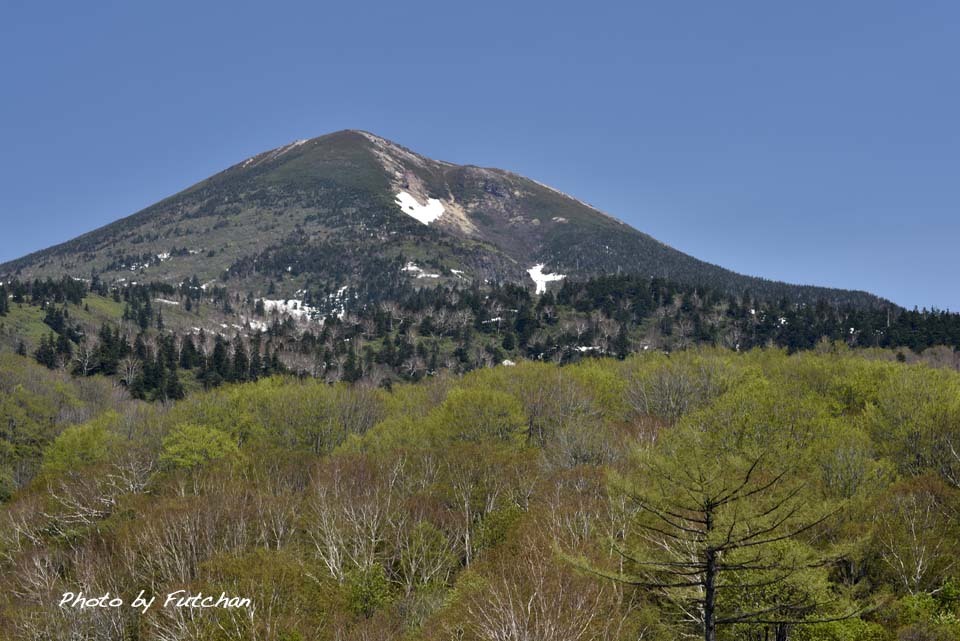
(534, 597)
(911, 535)
(85, 358)
(128, 370)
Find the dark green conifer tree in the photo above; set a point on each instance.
(46, 353)
(241, 362)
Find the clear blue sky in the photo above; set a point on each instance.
(814, 142)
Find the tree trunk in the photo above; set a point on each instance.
(710, 597)
(783, 632)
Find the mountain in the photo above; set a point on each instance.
(351, 211)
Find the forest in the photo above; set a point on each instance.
(160, 341)
(705, 493)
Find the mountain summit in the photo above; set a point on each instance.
(352, 209)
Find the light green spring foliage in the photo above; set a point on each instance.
(82, 445)
(430, 510)
(480, 415)
(190, 446)
(293, 414)
(36, 404)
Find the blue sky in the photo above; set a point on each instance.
(813, 142)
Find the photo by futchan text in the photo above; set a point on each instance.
(175, 599)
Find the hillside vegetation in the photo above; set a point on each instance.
(161, 341)
(531, 502)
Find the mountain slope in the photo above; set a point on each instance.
(351, 209)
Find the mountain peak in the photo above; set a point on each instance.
(352, 208)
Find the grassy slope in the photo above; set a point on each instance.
(26, 321)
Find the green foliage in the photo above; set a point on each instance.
(35, 406)
(496, 526)
(368, 590)
(452, 507)
(854, 629)
(189, 446)
(480, 414)
(81, 446)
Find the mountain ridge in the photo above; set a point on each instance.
(342, 192)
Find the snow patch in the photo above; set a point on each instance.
(426, 214)
(292, 307)
(418, 271)
(165, 301)
(340, 300)
(541, 279)
(257, 325)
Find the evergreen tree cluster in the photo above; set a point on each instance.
(423, 330)
(41, 292)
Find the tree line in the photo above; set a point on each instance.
(426, 330)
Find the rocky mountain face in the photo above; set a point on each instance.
(353, 215)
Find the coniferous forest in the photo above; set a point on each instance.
(417, 333)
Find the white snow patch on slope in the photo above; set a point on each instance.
(426, 214)
(165, 301)
(415, 269)
(340, 300)
(541, 279)
(292, 307)
(256, 325)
